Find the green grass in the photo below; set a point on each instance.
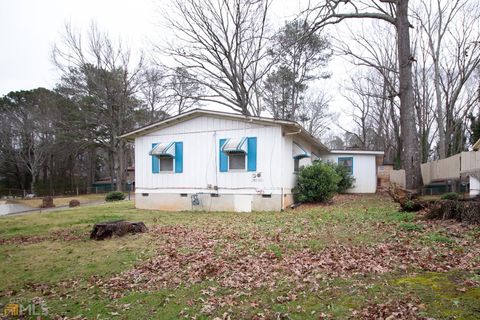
(48, 266)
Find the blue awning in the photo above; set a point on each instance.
(163, 150)
(298, 152)
(235, 145)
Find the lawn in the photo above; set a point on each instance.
(355, 258)
(61, 201)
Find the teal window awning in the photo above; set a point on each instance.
(163, 149)
(298, 152)
(235, 145)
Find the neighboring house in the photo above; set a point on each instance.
(210, 160)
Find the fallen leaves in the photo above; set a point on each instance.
(187, 256)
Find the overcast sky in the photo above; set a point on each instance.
(29, 29)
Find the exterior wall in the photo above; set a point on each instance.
(222, 202)
(364, 171)
(201, 175)
(287, 162)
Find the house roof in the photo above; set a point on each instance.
(476, 146)
(370, 152)
(295, 127)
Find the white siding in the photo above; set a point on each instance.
(200, 137)
(289, 176)
(364, 171)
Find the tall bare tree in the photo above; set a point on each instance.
(155, 93)
(314, 113)
(222, 44)
(100, 75)
(451, 34)
(396, 13)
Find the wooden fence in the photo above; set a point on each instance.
(462, 164)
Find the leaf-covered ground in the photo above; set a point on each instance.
(357, 258)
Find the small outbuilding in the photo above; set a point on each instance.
(218, 161)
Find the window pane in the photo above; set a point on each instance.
(166, 164)
(236, 161)
(346, 162)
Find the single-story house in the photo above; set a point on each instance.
(218, 161)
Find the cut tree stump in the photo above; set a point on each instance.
(74, 203)
(47, 202)
(117, 228)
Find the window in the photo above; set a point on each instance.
(238, 154)
(166, 164)
(346, 162)
(296, 164)
(236, 161)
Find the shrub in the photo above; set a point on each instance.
(346, 178)
(114, 196)
(451, 196)
(317, 182)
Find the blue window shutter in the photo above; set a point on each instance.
(223, 158)
(155, 161)
(178, 157)
(252, 154)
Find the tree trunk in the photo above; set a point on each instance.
(32, 183)
(411, 147)
(442, 152)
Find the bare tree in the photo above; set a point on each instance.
(222, 44)
(314, 114)
(374, 89)
(154, 91)
(451, 33)
(99, 75)
(186, 90)
(395, 12)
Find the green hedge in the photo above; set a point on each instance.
(316, 182)
(114, 196)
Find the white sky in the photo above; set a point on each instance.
(29, 29)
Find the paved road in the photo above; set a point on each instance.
(10, 209)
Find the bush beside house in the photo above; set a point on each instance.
(320, 181)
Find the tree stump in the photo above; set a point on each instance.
(74, 203)
(467, 211)
(47, 202)
(117, 228)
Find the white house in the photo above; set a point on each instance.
(210, 160)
